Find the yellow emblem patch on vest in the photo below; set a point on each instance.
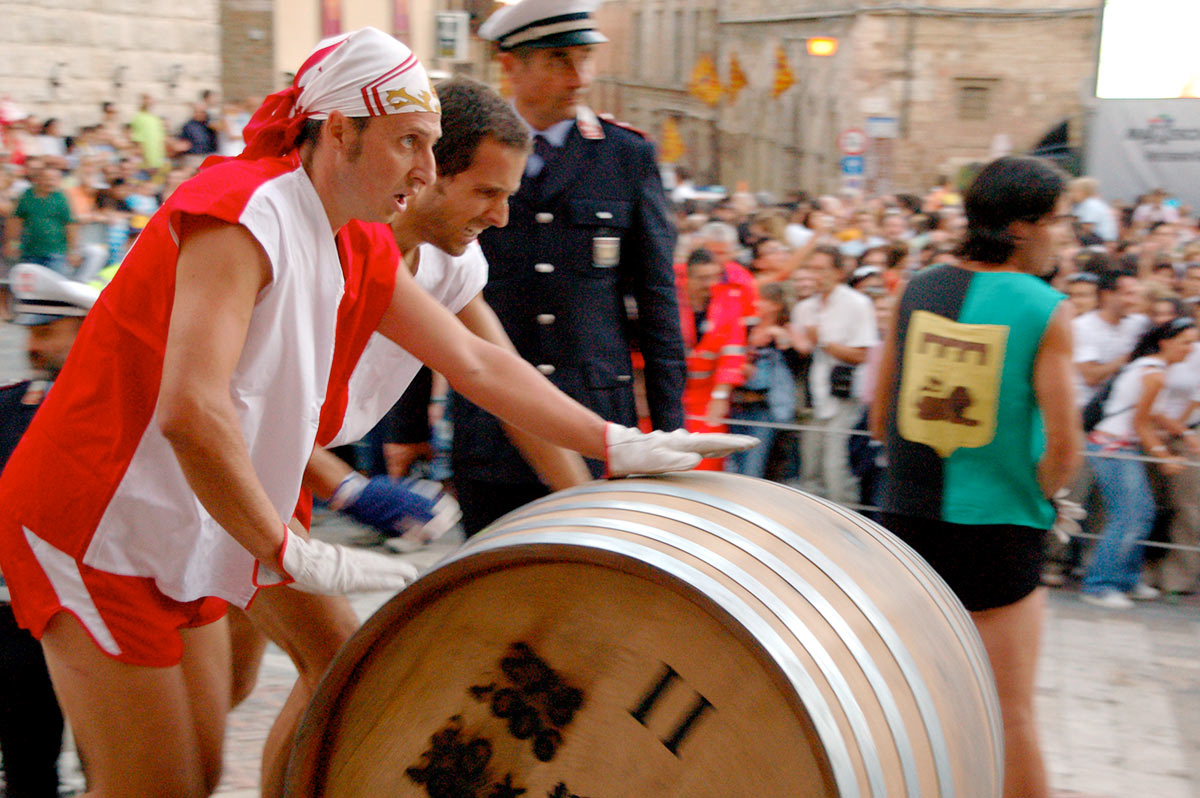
(950, 387)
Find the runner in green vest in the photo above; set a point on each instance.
(976, 410)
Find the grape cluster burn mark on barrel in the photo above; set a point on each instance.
(536, 703)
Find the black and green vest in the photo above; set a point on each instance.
(965, 433)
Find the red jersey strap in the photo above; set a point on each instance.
(215, 191)
(369, 258)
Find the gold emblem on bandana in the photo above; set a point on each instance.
(423, 100)
(950, 387)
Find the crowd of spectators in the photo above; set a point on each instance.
(76, 199)
(828, 270)
(783, 304)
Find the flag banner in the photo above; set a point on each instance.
(737, 78)
(672, 143)
(784, 77)
(706, 83)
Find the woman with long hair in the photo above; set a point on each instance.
(1129, 426)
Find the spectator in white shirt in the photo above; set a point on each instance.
(836, 325)
(1105, 337)
(1093, 213)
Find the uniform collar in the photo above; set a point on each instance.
(585, 119)
(556, 134)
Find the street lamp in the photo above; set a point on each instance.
(822, 46)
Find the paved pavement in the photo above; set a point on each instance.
(1118, 693)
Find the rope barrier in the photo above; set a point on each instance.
(858, 433)
(866, 508)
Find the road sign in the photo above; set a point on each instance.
(852, 165)
(883, 127)
(453, 35)
(852, 141)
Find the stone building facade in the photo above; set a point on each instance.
(247, 49)
(933, 83)
(62, 58)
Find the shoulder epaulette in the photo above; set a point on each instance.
(624, 125)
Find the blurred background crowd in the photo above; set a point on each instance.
(783, 303)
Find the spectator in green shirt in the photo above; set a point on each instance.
(147, 130)
(41, 229)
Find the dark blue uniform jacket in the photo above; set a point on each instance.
(582, 274)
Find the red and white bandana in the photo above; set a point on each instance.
(362, 73)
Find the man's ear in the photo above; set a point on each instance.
(1020, 231)
(337, 130)
(508, 61)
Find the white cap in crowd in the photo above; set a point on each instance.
(42, 295)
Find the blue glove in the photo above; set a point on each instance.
(415, 509)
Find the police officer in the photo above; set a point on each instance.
(31, 724)
(588, 228)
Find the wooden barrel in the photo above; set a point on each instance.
(693, 635)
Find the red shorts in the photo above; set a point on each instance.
(127, 617)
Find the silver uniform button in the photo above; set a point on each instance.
(624, 378)
(603, 215)
(546, 369)
(543, 268)
(545, 318)
(544, 217)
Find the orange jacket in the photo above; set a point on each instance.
(719, 355)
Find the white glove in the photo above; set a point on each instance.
(1068, 514)
(314, 566)
(630, 451)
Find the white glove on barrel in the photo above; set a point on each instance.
(1068, 514)
(630, 451)
(327, 569)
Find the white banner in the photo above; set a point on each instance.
(1137, 145)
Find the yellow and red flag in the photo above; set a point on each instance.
(784, 77)
(737, 78)
(672, 143)
(705, 83)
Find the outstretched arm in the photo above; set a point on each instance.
(508, 387)
(491, 376)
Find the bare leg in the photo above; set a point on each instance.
(280, 738)
(310, 629)
(206, 674)
(147, 731)
(1012, 637)
(248, 645)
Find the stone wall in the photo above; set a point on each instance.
(62, 58)
(248, 49)
(1026, 64)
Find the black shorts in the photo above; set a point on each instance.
(987, 566)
